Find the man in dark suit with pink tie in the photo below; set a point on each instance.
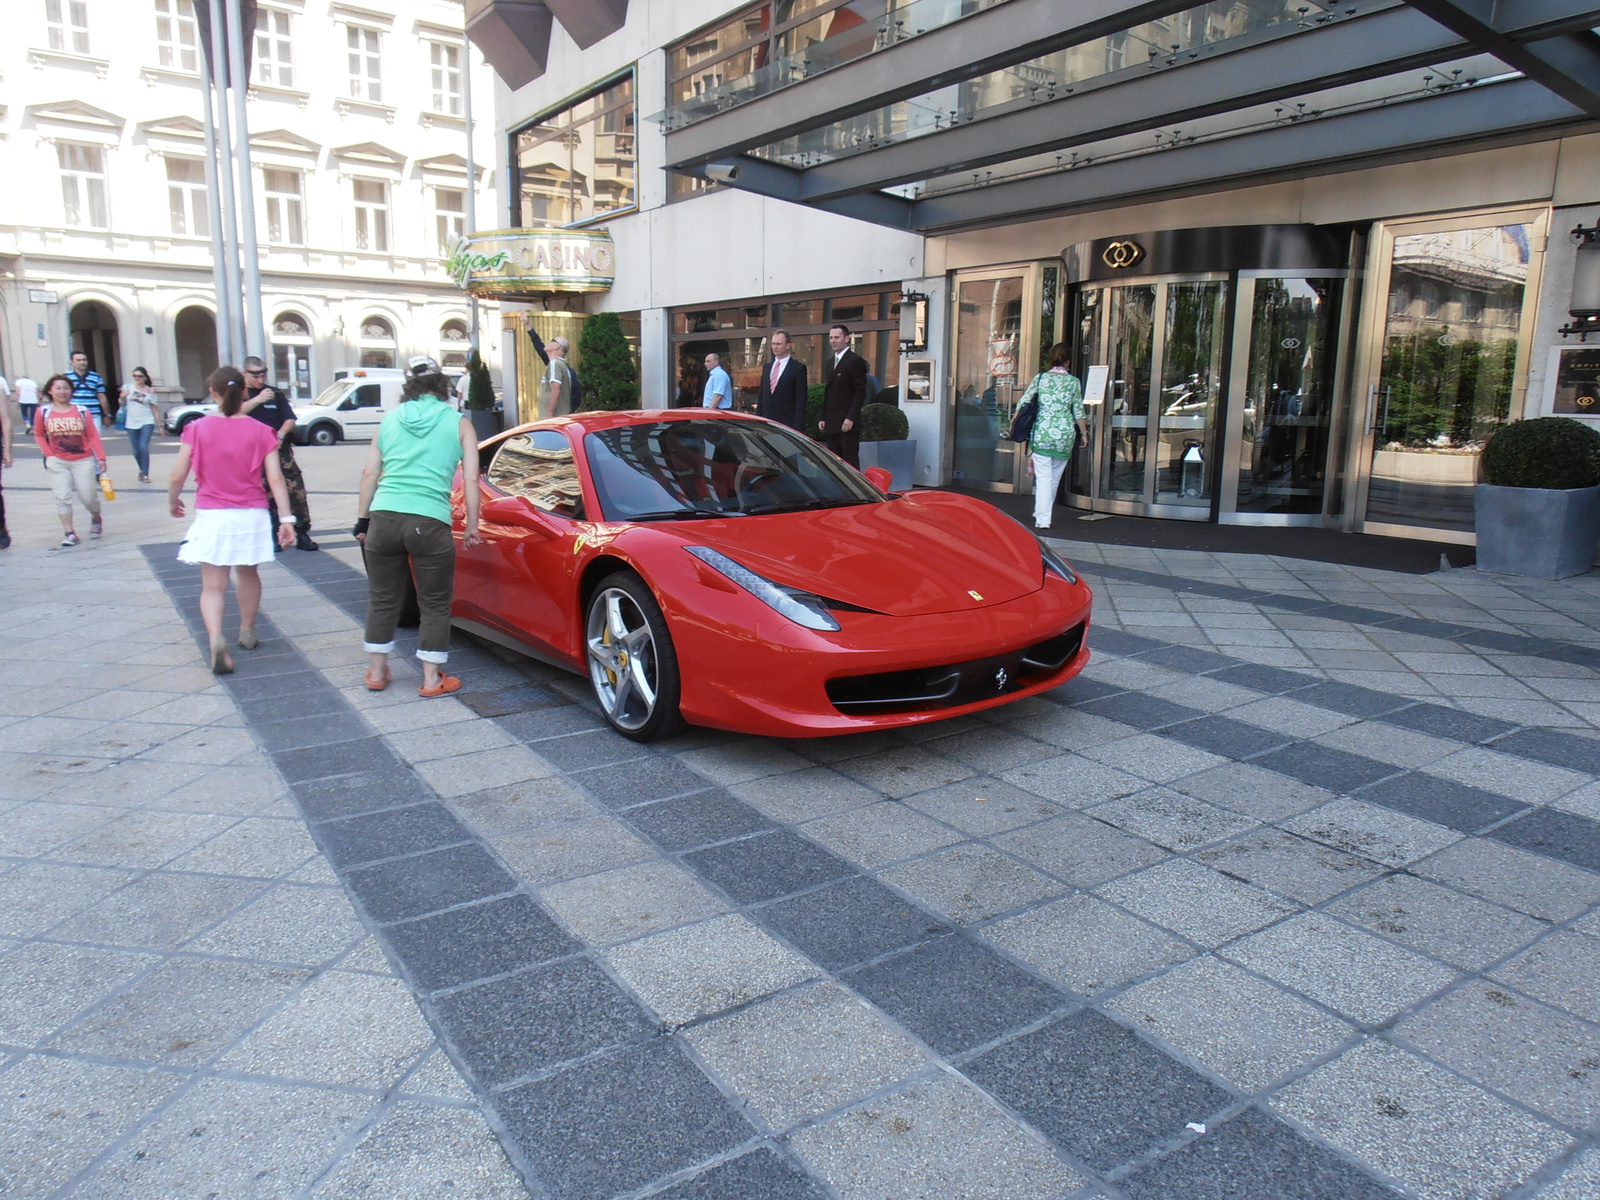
(783, 385)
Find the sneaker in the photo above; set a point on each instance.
(303, 541)
(70, 540)
(95, 528)
(144, 479)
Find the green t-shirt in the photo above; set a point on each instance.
(421, 446)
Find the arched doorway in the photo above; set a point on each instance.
(94, 332)
(195, 332)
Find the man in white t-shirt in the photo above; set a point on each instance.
(26, 393)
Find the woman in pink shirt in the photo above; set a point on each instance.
(231, 529)
(73, 455)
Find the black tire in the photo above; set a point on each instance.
(660, 666)
(184, 424)
(323, 434)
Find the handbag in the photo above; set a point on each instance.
(121, 419)
(1022, 423)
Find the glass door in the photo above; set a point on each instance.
(1131, 349)
(1191, 388)
(996, 330)
(1286, 346)
(1445, 373)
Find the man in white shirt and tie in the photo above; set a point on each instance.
(783, 385)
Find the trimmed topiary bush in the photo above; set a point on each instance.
(883, 423)
(610, 377)
(1546, 452)
(480, 389)
(815, 394)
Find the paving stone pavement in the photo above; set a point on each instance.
(1293, 894)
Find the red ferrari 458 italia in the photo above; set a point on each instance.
(724, 570)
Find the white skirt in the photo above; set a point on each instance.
(228, 537)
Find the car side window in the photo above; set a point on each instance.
(539, 466)
(369, 395)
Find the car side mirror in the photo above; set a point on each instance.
(880, 478)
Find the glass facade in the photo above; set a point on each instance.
(737, 333)
(576, 164)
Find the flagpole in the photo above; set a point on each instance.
(219, 279)
(472, 170)
(255, 341)
(230, 237)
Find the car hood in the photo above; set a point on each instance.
(922, 553)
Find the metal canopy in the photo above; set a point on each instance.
(1551, 44)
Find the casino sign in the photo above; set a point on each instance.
(512, 264)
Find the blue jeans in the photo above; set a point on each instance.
(140, 440)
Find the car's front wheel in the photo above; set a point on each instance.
(323, 435)
(632, 664)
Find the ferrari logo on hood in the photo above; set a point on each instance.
(975, 595)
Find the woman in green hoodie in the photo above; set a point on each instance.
(403, 520)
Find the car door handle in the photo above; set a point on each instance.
(508, 511)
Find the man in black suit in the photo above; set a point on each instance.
(783, 385)
(844, 377)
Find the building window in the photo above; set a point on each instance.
(274, 49)
(83, 184)
(291, 355)
(366, 78)
(69, 24)
(372, 214)
(377, 342)
(175, 35)
(577, 163)
(285, 211)
(737, 331)
(450, 215)
(186, 193)
(455, 343)
(446, 78)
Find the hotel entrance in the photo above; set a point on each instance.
(1211, 391)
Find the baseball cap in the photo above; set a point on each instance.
(422, 364)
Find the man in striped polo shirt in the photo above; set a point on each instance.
(88, 389)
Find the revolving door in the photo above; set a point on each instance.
(1210, 396)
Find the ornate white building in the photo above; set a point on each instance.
(357, 134)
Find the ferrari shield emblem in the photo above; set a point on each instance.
(976, 595)
(1001, 679)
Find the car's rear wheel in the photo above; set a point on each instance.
(323, 435)
(632, 664)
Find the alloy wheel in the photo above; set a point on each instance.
(623, 664)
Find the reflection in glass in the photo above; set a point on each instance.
(578, 163)
(1288, 398)
(1191, 382)
(988, 336)
(1089, 319)
(1449, 358)
(1132, 317)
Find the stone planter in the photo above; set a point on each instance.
(1543, 533)
(485, 422)
(898, 458)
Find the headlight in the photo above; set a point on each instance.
(1054, 562)
(800, 607)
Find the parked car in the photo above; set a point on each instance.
(178, 415)
(349, 409)
(727, 571)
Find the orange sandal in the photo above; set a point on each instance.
(447, 684)
(380, 684)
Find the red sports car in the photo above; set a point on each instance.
(724, 570)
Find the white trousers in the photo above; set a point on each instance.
(80, 476)
(1047, 473)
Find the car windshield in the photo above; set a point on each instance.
(681, 470)
(333, 393)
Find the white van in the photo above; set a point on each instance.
(351, 408)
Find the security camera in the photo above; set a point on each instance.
(723, 172)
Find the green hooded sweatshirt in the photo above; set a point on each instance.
(421, 446)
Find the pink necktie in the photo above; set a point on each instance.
(777, 368)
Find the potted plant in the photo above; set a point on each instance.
(610, 376)
(1538, 507)
(480, 398)
(885, 442)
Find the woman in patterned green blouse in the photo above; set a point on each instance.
(1059, 424)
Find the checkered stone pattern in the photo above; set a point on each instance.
(1198, 924)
